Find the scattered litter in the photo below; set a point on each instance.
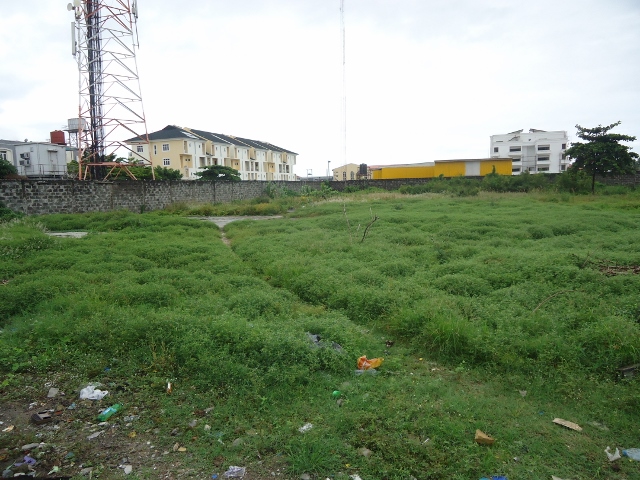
(599, 426)
(235, 472)
(317, 342)
(553, 477)
(132, 434)
(371, 371)
(91, 393)
(169, 388)
(69, 456)
(9, 428)
(495, 477)
(207, 428)
(305, 427)
(426, 441)
(95, 435)
(568, 424)
(55, 469)
(523, 393)
(53, 392)
(113, 409)
(366, 364)
(40, 418)
(176, 446)
(31, 446)
(86, 471)
(27, 461)
(612, 456)
(182, 449)
(336, 394)
(355, 477)
(632, 453)
(482, 438)
(73, 406)
(193, 423)
(131, 418)
(207, 410)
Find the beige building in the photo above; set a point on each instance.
(190, 150)
(350, 171)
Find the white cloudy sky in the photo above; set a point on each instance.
(426, 79)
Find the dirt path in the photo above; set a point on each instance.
(222, 221)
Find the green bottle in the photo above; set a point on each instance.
(109, 411)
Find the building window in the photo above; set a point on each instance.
(344, 176)
(543, 147)
(515, 149)
(515, 169)
(515, 159)
(495, 149)
(165, 147)
(166, 162)
(353, 175)
(543, 169)
(563, 168)
(3, 155)
(140, 149)
(155, 149)
(544, 158)
(564, 146)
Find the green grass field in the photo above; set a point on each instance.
(470, 300)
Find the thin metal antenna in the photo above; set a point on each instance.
(344, 86)
(110, 108)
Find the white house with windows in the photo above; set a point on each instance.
(535, 151)
(35, 159)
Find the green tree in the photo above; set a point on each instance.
(219, 172)
(164, 173)
(602, 153)
(7, 168)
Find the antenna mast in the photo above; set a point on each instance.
(344, 86)
(110, 107)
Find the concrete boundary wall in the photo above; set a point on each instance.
(36, 197)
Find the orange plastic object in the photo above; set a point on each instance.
(366, 364)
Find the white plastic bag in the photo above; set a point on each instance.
(91, 393)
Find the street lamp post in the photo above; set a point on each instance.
(328, 169)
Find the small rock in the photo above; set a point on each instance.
(523, 393)
(7, 473)
(365, 452)
(95, 435)
(237, 442)
(53, 392)
(193, 423)
(305, 476)
(207, 428)
(128, 469)
(86, 471)
(175, 432)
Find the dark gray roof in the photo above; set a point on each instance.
(172, 132)
(167, 133)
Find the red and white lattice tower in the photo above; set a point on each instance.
(110, 109)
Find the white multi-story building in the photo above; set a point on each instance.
(535, 151)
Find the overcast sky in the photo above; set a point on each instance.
(425, 79)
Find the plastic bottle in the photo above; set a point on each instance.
(633, 453)
(109, 411)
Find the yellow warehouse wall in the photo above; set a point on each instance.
(389, 173)
(503, 167)
(450, 169)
